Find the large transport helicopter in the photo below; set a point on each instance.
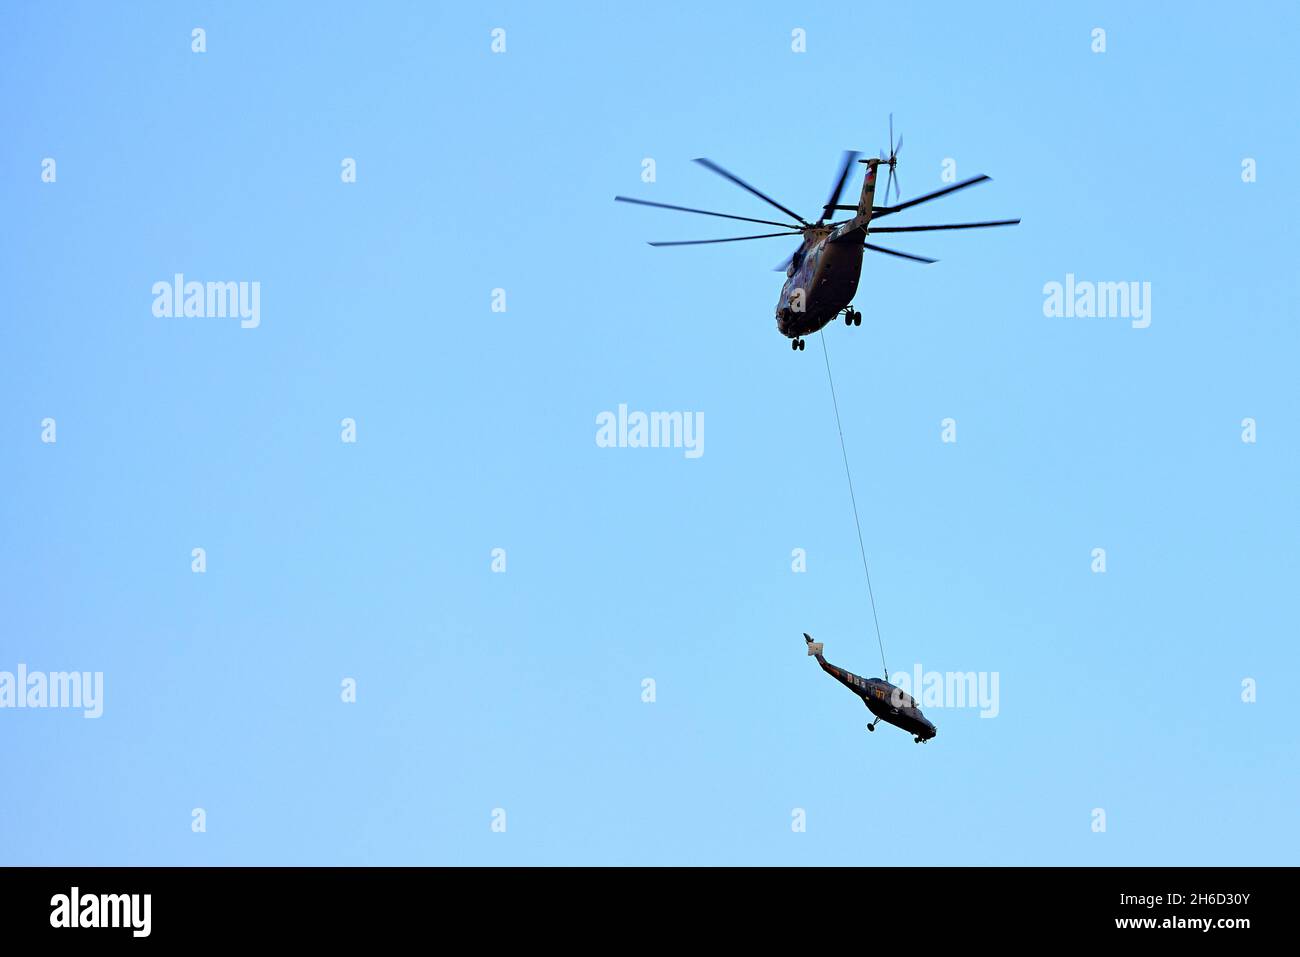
(889, 703)
(822, 274)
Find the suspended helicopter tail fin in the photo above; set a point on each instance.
(839, 674)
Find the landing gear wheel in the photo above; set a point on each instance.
(872, 726)
(857, 318)
(794, 344)
(848, 318)
(918, 740)
(801, 345)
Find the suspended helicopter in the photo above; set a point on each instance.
(822, 274)
(889, 703)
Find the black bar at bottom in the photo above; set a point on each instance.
(912, 907)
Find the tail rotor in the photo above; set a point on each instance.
(892, 161)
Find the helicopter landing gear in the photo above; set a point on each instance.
(920, 740)
(852, 317)
(872, 726)
(796, 345)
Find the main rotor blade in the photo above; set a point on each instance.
(894, 252)
(850, 157)
(926, 229)
(702, 212)
(729, 239)
(935, 195)
(785, 263)
(710, 165)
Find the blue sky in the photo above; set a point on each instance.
(476, 430)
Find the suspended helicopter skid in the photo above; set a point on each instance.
(916, 737)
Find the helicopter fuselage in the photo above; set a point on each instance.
(821, 280)
(886, 701)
